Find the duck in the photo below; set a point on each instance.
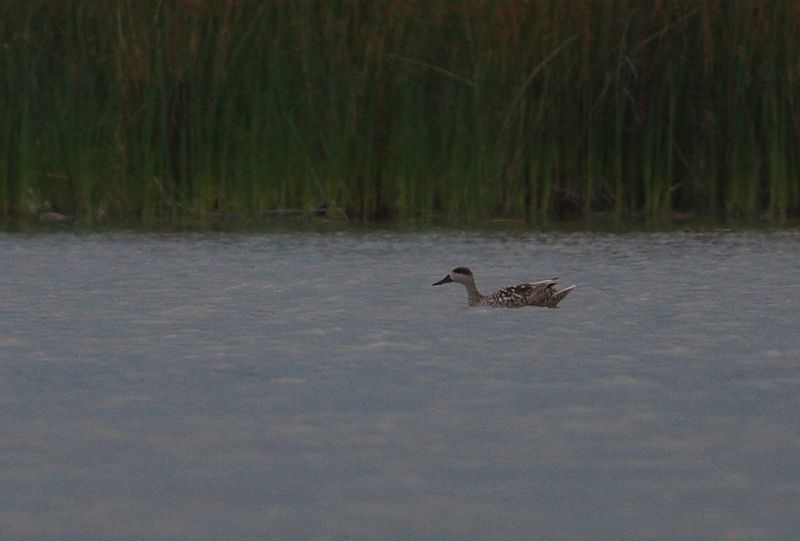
(542, 293)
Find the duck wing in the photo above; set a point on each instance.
(523, 294)
(544, 293)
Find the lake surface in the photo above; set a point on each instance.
(297, 385)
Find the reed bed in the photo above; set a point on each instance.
(166, 111)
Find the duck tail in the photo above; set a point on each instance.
(558, 296)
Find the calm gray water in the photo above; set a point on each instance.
(315, 386)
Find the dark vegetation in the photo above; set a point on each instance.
(175, 111)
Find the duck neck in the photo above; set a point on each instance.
(473, 293)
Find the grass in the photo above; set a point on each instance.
(174, 111)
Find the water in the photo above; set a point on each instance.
(315, 386)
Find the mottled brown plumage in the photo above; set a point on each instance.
(542, 293)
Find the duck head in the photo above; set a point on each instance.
(462, 275)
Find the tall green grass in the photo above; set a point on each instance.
(165, 111)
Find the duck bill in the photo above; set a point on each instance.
(444, 280)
